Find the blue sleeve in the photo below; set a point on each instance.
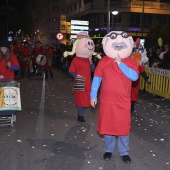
(128, 72)
(15, 68)
(95, 86)
(73, 74)
(92, 67)
(51, 56)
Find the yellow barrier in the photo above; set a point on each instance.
(160, 82)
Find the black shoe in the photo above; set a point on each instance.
(126, 159)
(107, 156)
(81, 119)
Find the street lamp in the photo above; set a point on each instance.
(114, 12)
(143, 6)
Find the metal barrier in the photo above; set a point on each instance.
(160, 82)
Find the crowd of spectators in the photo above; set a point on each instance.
(60, 62)
(159, 57)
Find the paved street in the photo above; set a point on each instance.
(47, 136)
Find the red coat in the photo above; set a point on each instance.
(115, 96)
(26, 54)
(48, 53)
(7, 72)
(136, 85)
(17, 52)
(81, 66)
(17, 49)
(36, 52)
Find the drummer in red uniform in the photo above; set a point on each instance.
(8, 62)
(116, 71)
(26, 59)
(48, 52)
(17, 50)
(37, 50)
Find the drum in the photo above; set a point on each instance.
(41, 60)
(26, 61)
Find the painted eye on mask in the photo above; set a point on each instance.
(113, 35)
(90, 43)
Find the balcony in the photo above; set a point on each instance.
(150, 7)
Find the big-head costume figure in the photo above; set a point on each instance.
(116, 70)
(81, 66)
(79, 37)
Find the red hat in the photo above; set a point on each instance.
(82, 35)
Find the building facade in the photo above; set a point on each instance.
(46, 16)
(136, 15)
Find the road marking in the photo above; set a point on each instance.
(42, 96)
(40, 118)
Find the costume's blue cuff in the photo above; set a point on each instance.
(73, 74)
(15, 68)
(128, 72)
(95, 86)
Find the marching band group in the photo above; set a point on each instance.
(34, 60)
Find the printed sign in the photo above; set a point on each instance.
(159, 71)
(10, 96)
(79, 22)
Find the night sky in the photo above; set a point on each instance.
(12, 2)
(16, 18)
(18, 4)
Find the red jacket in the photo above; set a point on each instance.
(5, 71)
(115, 96)
(48, 53)
(136, 85)
(36, 51)
(26, 56)
(81, 66)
